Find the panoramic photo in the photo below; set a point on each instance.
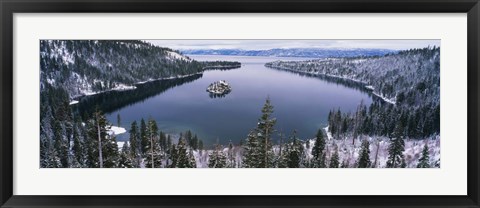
(239, 104)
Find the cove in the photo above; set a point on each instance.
(301, 102)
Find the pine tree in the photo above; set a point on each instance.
(126, 160)
(172, 156)
(294, 153)
(185, 158)
(424, 161)
(334, 161)
(230, 156)
(134, 144)
(78, 145)
(318, 149)
(264, 131)
(364, 158)
(396, 148)
(98, 141)
(144, 140)
(217, 158)
(110, 152)
(154, 159)
(48, 154)
(251, 156)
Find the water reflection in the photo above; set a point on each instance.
(114, 100)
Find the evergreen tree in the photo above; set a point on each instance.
(195, 142)
(424, 161)
(318, 149)
(78, 145)
(230, 156)
(134, 144)
(364, 158)
(185, 158)
(334, 161)
(172, 156)
(126, 160)
(48, 154)
(110, 152)
(144, 140)
(154, 159)
(217, 158)
(294, 153)
(396, 148)
(251, 156)
(264, 131)
(98, 141)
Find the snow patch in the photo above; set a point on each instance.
(116, 130)
(73, 102)
(175, 55)
(329, 134)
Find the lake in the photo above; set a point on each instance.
(301, 103)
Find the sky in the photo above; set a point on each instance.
(270, 44)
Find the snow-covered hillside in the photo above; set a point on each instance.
(88, 67)
(411, 76)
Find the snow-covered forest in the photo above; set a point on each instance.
(408, 82)
(400, 130)
(85, 67)
(75, 144)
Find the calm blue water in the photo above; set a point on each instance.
(301, 103)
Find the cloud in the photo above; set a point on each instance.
(290, 43)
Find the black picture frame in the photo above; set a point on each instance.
(10, 7)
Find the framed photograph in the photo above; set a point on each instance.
(239, 104)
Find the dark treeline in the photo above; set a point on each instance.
(382, 118)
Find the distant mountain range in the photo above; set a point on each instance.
(293, 52)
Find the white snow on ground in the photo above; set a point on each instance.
(120, 145)
(175, 55)
(51, 81)
(384, 98)
(115, 130)
(122, 87)
(329, 134)
(413, 150)
(73, 102)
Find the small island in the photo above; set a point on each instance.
(219, 88)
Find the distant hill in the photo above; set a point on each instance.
(293, 52)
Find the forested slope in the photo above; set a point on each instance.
(83, 67)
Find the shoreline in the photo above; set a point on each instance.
(364, 84)
(77, 99)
